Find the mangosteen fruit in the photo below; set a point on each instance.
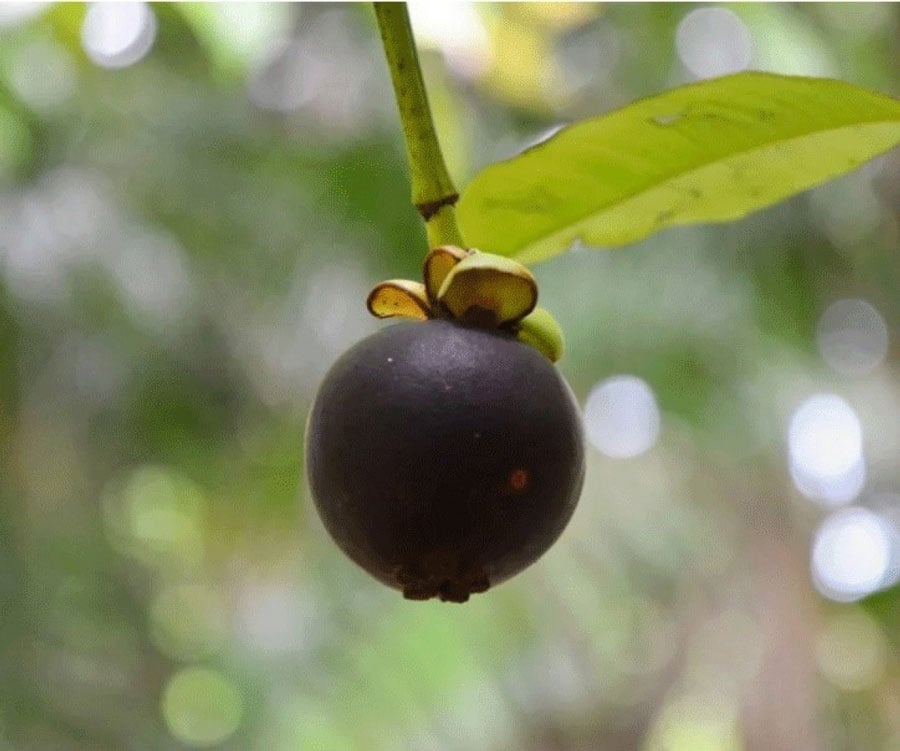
(445, 455)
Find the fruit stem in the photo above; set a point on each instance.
(433, 192)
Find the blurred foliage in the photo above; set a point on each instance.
(186, 244)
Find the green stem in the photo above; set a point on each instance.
(433, 192)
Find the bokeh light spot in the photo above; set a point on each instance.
(695, 723)
(851, 650)
(43, 74)
(455, 29)
(154, 278)
(237, 35)
(851, 554)
(887, 506)
(849, 210)
(713, 42)
(825, 449)
(852, 337)
(274, 618)
(188, 621)
(116, 35)
(621, 417)
(158, 517)
(201, 707)
(13, 14)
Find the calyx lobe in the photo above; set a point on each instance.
(475, 288)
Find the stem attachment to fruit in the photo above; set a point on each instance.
(433, 192)
(461, 283)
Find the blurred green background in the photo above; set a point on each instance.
(194, 203)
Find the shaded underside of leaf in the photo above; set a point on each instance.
(708, 152)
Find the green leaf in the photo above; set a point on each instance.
(708, 152)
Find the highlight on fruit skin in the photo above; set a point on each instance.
(475, 288)
(444, 458)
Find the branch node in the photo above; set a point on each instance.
(430, 208)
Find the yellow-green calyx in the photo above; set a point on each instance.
(475, 288)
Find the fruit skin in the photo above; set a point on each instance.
(444, 459)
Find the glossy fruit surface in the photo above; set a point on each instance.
(444, 459)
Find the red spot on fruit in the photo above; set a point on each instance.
(518, 480)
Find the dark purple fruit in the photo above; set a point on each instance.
(444, 459)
